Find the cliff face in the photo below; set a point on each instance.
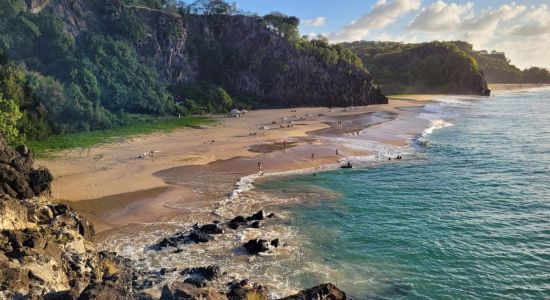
(254, 61)
(435, 67)
(238, 53)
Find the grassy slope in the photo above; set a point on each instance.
(139, 126)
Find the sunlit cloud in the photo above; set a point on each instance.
(382, 15)
(317, 22)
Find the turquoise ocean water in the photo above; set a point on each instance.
(467, 217)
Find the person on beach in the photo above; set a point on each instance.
(337, 152)
(259, 167)
(312, 155)
(349, 164)
(284, 144)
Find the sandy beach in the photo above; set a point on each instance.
(189, 171)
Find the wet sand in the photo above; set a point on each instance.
(191, 171)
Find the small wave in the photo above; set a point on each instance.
(420, 140)
(244, 184)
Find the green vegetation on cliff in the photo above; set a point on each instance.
(76, 66)
(436, 67)
(440, 67)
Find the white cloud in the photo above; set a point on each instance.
(521, 32)
(440, 16)
(316, 22)
(537, 23)
(488, 21)
(383, 14)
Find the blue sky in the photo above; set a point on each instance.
(521, 28)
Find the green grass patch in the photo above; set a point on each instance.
(136, 125)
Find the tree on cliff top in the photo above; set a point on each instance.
(213, 7)
(283, 25)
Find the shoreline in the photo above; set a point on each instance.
(192, 193)
(112, 187)
(132, 190)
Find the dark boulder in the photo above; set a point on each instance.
(236, 222)
(185, 291)
(196, 281)
(257, 216)
(246, 290)
(275, 243)
(210, 229)
(256, 246)
(63, 295)
(165, 271)
(199, 237)
(196, 236)
(255, 224)
(209, 273)
(324, 291)
(101, 291)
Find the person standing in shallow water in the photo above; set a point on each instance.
(312, 155)
(259, 167)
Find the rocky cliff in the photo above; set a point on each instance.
(47, 251)
(238, 53)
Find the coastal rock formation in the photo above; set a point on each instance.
(326, 291)
(17, 177)
(46, 249)
(178, 290)
(237, 52)
(199, 276)
(199, 234)
(247, 290)
(253, 221)
(260, 245)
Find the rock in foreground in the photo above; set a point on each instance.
(326, 291)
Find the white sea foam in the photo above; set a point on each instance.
(439, 114)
